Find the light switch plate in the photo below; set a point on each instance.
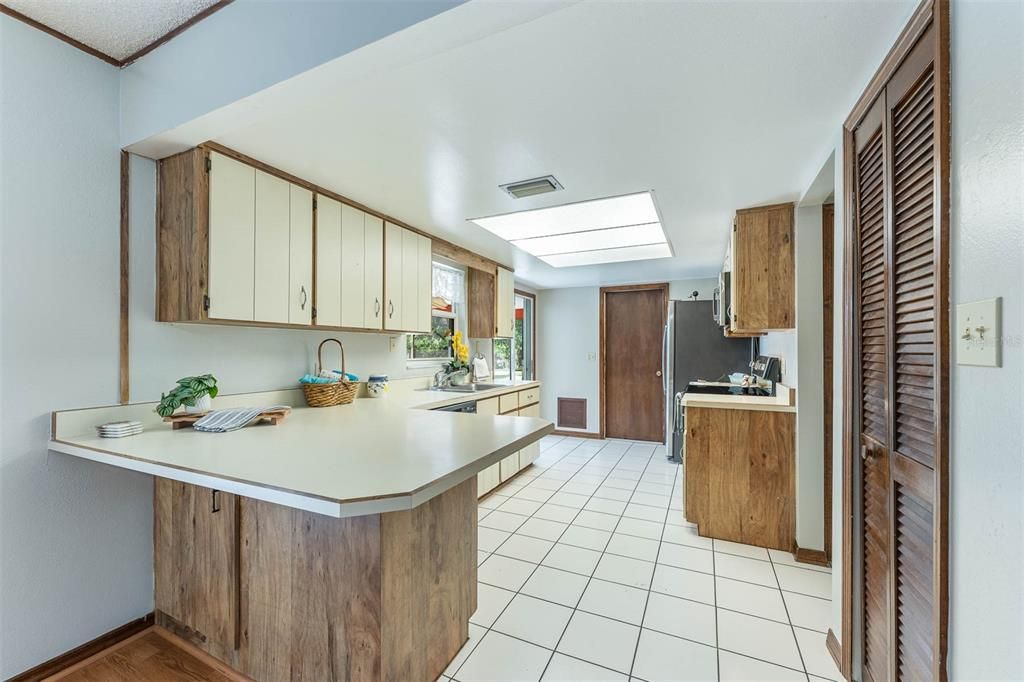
(979, 333)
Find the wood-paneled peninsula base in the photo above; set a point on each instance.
(280, 593)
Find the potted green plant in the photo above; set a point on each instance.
(195, 394)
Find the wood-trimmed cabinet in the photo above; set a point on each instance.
(504, 304)
(763, 286)
(408, 280)
(239, 243)
(349, 266)
(524, 403)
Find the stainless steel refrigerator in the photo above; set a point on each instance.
(694, 348)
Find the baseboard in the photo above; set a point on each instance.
(87, 650)
(818, 557)
(834, 648)
(576, 434)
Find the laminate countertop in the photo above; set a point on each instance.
(783, 401)
(372, 456)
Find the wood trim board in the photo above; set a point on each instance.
(828, 337)
(85, 651)
(576, 434)
(834, 649)
(124, 391)
(114, 61)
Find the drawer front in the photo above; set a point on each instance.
(508, 402)
(488, 407)
(529, 396)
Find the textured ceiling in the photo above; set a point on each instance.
(713, 106)
(117, 28)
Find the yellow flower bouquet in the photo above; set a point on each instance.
(460, 355)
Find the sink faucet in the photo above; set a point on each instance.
(442, 379)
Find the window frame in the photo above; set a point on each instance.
(458, 323)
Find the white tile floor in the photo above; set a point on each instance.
(589, 572)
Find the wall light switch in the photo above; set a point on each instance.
(591, 356)
(979, 333)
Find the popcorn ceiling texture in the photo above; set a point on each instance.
(118, 28)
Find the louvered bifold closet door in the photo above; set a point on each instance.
(914, 419)
(873, 380)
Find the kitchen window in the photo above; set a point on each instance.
(449, 293)
(515, 358)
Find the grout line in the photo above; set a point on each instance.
(789, 618)
(650, 585)
(590, 578)
(536, 566)
(577, 469)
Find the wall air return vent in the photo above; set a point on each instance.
(529, 188)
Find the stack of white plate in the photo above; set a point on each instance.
(119, 429)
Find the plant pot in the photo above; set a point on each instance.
(204, 404)
(460, 378)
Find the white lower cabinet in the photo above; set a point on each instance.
(528, 455)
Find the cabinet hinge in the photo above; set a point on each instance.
(314, 203)
(209, 164)
(314, 312)
(206, 302)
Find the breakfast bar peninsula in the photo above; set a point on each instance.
(337, 545)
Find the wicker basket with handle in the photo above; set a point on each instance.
(328, 395)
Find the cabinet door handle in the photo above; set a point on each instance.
(305, 297)
(215, 501)
(376, 307)
(658, 373)
(391, 308)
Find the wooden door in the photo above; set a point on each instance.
(632, 394)
(373, 272)
(328, 262)
(273, 214)
(300, 249)
(353, 235)
(232, 238)
(898, 244)
(393, 264)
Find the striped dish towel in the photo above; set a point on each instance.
(222, 421)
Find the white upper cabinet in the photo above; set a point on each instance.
(373, 272)
(232, 239)
(393, 268)
(328, 261)
(300, 267)
(273, 215)
(504, 303)
(425, 283)
(353, 270)
(407, 280)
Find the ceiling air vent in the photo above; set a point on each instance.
(529, 188)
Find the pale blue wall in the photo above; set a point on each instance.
(76, 553)
(248, 46)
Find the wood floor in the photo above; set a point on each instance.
(153, 655)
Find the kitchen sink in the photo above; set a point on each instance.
(470, 388)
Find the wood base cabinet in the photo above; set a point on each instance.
(283, 594)
(740, 475)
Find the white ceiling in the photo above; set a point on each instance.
(712, 105)
(117, 28)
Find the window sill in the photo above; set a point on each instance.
(426, 363)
